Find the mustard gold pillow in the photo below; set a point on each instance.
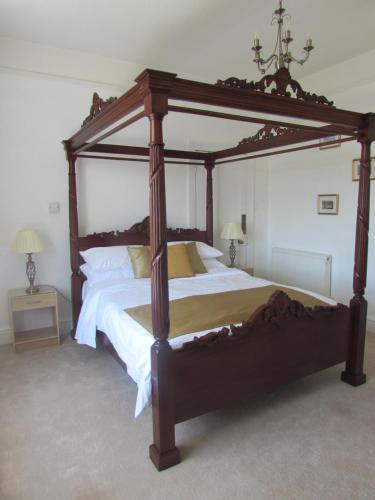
(141, 261)
(179, 265)
(195, 259)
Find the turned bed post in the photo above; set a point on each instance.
(163, 451)
(73, 236)
(209, 165)
(353, 373)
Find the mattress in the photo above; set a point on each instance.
(103, 309)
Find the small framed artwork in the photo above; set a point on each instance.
(328, 204)
(355, 169)
(326, 142)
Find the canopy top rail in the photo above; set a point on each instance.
(330, 129)
(277, 95)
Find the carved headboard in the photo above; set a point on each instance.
(138, 234)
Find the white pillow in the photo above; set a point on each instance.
(94, 276)
(213, 265)
(106, 258)
(205, 251)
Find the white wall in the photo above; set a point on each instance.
(280, 193)
(242, 189)
(35, 117)
(37, 111)
(296, 179)
(46, 93)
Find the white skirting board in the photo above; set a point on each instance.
(5, 336)
(308, 270)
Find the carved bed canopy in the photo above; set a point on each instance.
(152, 97)
(276, 94)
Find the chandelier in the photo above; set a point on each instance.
(281, 55)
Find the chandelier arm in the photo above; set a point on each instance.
(269, 60)
(265, 62)
(302, 60)
(273, 59)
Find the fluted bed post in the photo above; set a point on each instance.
(209, 166)
(353, 373)
(73, 236)
(163, 451)
(158, 232)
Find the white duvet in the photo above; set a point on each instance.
(103, 309)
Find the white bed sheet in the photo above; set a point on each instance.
(103, 309)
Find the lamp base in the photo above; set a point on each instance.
(30, 273)
(32, 289)
(232, 253)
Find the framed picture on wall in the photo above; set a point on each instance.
(355, 169)
(326, 142)
(328, 204)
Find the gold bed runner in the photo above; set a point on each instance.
(203, 312)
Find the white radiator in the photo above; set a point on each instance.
(308, 270)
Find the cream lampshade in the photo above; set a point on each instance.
(28, 241)
(232, 231)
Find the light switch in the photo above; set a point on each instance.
(54, 207)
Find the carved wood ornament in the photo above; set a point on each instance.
(142, 227)
(266, 133)
(97, 106)
(284, 86)
(139, 227)
(279, 308)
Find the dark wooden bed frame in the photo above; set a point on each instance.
(282, 340)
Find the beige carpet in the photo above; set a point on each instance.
(68, 432)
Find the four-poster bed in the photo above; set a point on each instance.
(282, 340)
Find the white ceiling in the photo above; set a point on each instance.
(210, 38)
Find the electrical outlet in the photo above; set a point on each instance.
(54, 207)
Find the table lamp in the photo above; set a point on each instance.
(232, 231)
(28, 241)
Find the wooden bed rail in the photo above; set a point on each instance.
(135, 160)
(320, 131)
(114, 130)
(282, 151)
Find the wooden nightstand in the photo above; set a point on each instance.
(248, 270)
(20, 301)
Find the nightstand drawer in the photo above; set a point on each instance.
(33, 301)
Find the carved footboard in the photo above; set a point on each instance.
(282, 341)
